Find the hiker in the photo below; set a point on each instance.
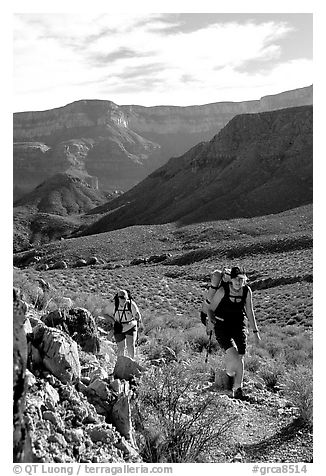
(127, 320)
(218, 278)
(227, 313)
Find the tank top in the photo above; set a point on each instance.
(232, 312)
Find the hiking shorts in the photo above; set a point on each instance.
(119, 337)
(228, 336)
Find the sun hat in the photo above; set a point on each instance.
(236, 271)
(123, 293)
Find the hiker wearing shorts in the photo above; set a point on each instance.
(227, 313)
(127, 319)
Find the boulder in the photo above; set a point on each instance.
(100, 388)
(157, 258)
(126, 368)
(59, 353)
(42, 267)
(59, 265)
(80, 263)
(92, 260)
(121, 417)
(79, 324)
(137, 261)
(22, 451)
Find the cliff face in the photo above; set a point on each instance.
(121, 144)
(258, 164)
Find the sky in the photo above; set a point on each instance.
(154, 59)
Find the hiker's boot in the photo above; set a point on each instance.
(239, 395)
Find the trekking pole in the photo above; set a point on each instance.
(209, 346)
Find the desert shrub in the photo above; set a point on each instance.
(297, 387)
(252, 363)
(196, 338)
(176, 425)
(272, 372)
(166, 343)
(93, 302)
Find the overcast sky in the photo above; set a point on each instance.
(155, 59)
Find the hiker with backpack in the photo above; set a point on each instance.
(127, 322)
(227, 312)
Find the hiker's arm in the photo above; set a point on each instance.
(249, 308)
(135, 311)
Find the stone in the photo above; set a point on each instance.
(79, 324)
(30, 379)
(97, 433)
(59, 353)
(51, 397)
(121, 416)
(61, 264)
(125, 368)
(80, 263)
(28, 327)
(101, 389)
(34, 321)
(98, 373)
(116, 385)
(52, 417)
(92, 260)
(57, 438)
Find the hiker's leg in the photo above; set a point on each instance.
(121, 346)
(240, 339)
(231, 361)
(131, 342)
(238, 378)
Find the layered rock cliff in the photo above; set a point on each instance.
(258, 164)
(120, 145)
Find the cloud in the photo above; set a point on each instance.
(176, 58)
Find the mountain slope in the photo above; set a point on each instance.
(258, 164)
(120, 145)
(63, 194)
(54, 209)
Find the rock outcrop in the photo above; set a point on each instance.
(58, 353)
(21, 440)
(77, 323)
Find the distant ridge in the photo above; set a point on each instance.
(121, 145)
(258, 164)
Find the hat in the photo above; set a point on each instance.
(123, 293)
(236, 271)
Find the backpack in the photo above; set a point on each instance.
(222, 279)
(116, 302)
(117, 324)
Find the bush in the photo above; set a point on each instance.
(298, 388)
(271, 373)
(175, 423)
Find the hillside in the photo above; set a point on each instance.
(117, 146)
(54, 209)
(274, 426)
(258, 164)
(63, 194)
